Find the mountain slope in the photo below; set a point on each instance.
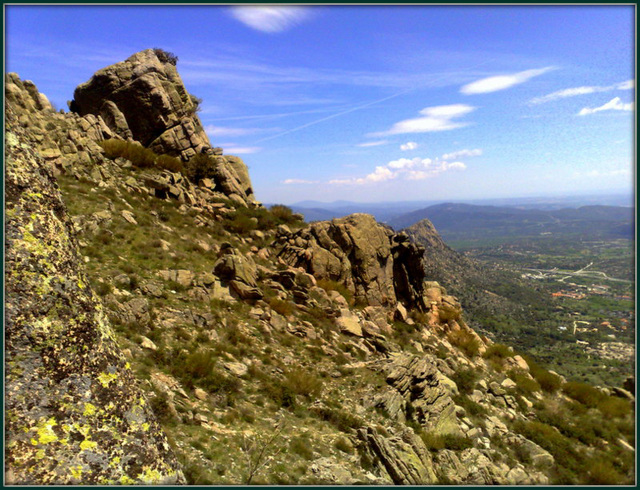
(276, 352)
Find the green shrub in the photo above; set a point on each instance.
(200, 166)
(603, 473)
(199, 368)
(435, 442)
(465, 380)
(465, 341)
(283, 214)
(280, 306)
(302, 382)
(166, 56)
(472, 408)
(497, 351)
(330, 285)
(583, 393)
(340, 419)
(525, 384)
(548, 382)
(613, 407)
(301, 446)
(138, 155)
(343, 444)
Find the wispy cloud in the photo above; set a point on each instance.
(613, 105)
(270, 19)
(372, 143)
(222, 131)
(242, 150)
(298, 181)
(410, 145)
(438, 118)
(598, 174)
(502, 82)
(405, 169)
(575, 91)
(461, 154)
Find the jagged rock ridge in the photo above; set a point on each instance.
(380, 267)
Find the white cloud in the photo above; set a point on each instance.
(270, 19)
(298, 181)
(613, 105)
(628, 85)
(373, 143)
(405, 168)
(501, 82)
(462, 153)
(409, 146)
(438, 118)
(572, 92)
(242, 150)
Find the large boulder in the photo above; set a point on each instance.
(378, 266)
(143, 98)
(74, 413)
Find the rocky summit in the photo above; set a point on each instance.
(163, 327)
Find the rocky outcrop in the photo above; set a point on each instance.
(416, 392)
(405, 458)
(378, 266)
(144, 98)
(73, 411)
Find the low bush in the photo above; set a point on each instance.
(280, 306)
(435, 442)
(302, 382)
(166, 56)
(282, 213)
(465, 380)
(200, 166)
(472, 408)
(340, 419)
(584, 393)
(465, 341)
(549, 382)
(301, 446)
(613, 407)
(330, 285)
(139, 156)
(525, 384)
(343, 444)
(497, 351)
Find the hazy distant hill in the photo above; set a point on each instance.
(465, 221)
(482, 290)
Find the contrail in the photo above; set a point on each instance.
(357, 108)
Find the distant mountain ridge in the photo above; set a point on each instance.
(460, 221)
(395, 210)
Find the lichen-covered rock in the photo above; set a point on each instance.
(379, 267)
(74, 414)
(415, 389)
(405, 458)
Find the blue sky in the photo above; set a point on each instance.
(366, 103)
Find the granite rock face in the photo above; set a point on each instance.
(378, 266)
(73, 411)
(144, 98)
